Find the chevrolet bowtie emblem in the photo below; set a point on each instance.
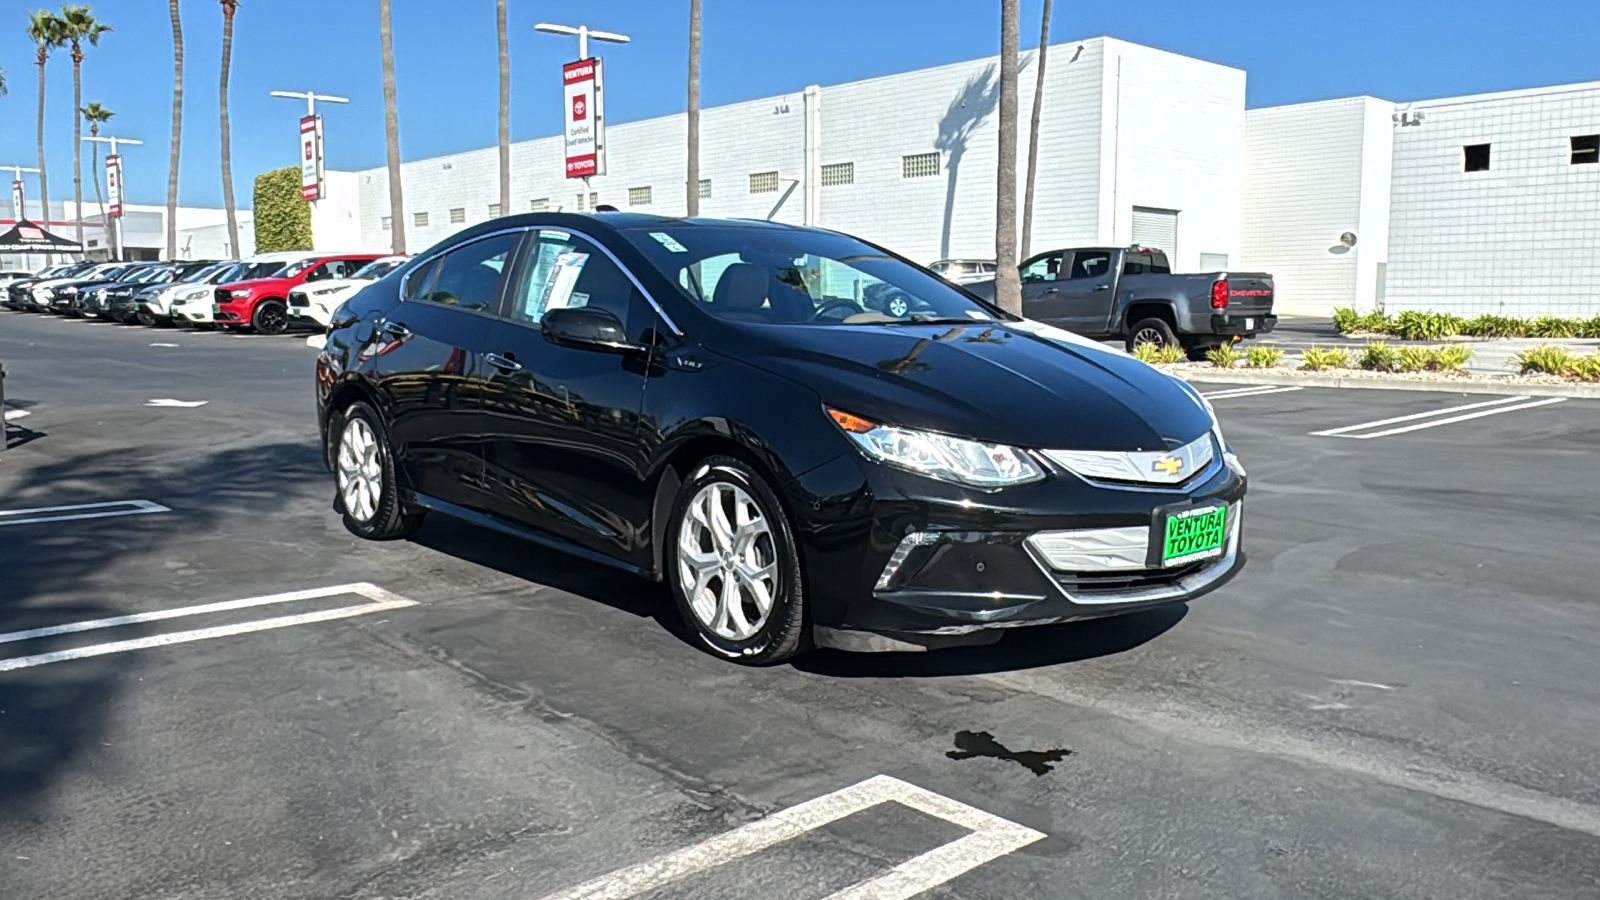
(1167, 464)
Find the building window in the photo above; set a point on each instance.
(494, 210)
(541, 204)
(639, 196)
(387, 222)
(1586, 149)
(919, 165)
(834, 174)
(458, 215)
(419, 219)
(763, 182)
(705, 189)
(1477, 157)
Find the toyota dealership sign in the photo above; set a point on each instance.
(311, 158)
(583, 108)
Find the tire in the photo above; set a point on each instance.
(365, 491)
(270, 317)
(145, 317)
(731, 624)
(1151, 331)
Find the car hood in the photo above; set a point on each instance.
(1018, 383)
(342, 284)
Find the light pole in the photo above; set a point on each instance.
(115, 226)
(19, 201)
(314, 192)
(584, 33)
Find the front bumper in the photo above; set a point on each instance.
(972, 570)
(198, 312)
(233, 312)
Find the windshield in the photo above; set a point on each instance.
(153, 275)
(793, 277)
(374, 270)
(204, 273)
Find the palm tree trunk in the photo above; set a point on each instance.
(44, 179)
(505, 108)
(391, 129)
(177, 130)
(1007, 284)
(234, 250)
(77, 140)
(1033, 137)
(692, 189)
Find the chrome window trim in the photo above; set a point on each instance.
(420, 261)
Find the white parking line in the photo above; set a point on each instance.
(177, 404)
(80, 511)
(1252, 391)
(991, 838)
(14, 414)
(379, 599)
(1487, 408)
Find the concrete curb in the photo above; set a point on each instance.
(1396, 383)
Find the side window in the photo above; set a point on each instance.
(469, 275)
(322, 272)
(1090, 264)
(421, 279)
(562, 271)
(1159, 264)
(1043, 268)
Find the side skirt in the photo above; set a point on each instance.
(518, 531)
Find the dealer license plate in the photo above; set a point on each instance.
(1249, 324)
(1195, 534)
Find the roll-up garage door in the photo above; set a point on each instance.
(1157, 228)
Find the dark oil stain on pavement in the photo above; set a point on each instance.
(973, 744)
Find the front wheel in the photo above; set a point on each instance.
(733, 565)
(363, 470)
(270, 317)
(145, 317)
(1155, 332)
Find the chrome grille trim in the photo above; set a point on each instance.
(1138, 467)
(1094, 549)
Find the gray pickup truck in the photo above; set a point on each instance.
(1131, 293)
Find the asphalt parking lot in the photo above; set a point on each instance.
(209, 689)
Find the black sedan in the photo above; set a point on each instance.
(715, 404)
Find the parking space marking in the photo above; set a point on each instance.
(14, 414)
(1252, 391)
(1487, 408)
(177, 404)
(379, 600)
(166, 345)
(991, 838)
(80, 511)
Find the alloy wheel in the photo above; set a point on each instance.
(271, 319)
(1149, 336)
(727, 563)
(360, 471)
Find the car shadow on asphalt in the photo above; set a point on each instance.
(1022, 648)
(54, 717)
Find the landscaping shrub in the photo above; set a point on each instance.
(1147, 353)
(1414, 359)
(1546, 360)
(1315, 359)
(1348, 321)
(1414, 325)
(1487, 326)
(1585, 368)
(1451, 358)
(282, 216)
(1224, 357)
(1263, 357)
(1345, 320)
(1171, 354)
(1377, 357)
(1591, 328)
(1552, 327)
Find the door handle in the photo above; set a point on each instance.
(1052, 290)
(1102, 287)
(503, 363)
(396, 330)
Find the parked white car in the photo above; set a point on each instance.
(192, 305)
(9, 275)
(317, 300)
(155, 303)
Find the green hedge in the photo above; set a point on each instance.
(1414, 325)
(282, 216)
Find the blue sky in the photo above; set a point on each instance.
(445, 61)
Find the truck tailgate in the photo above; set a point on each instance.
(1249, 293)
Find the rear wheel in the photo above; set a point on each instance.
(270, 317)
(1156, 332)
(145, 317)
(363, 471)
(733, 565)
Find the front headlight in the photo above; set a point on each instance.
(953, 459)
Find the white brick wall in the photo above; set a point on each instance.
(1519, 239)
(1313, 172)
(1185, 118)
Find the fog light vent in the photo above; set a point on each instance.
(911, 542)
(1094, 550)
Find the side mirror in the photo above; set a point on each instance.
(588, 329)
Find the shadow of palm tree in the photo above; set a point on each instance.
(969, 109)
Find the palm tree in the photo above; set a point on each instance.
(229, 8)
(1007, 284)
(391, 129)
(177, 129)
(79, 25)
(692, 189)
(45, 30)
(96, 115)
(2, 82)
(505, 107)
(1033, 136)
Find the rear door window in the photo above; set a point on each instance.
(563, 271)
(1090, 264)
(469, 276)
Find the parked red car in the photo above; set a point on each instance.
(263, 306)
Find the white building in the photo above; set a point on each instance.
(1137, 144)
(202, 232)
